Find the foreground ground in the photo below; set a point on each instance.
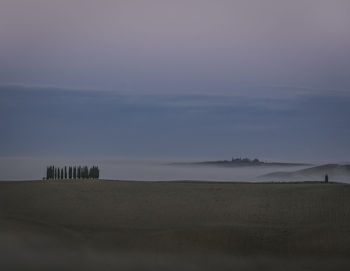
(112, 225)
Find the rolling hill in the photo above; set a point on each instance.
(336, 173)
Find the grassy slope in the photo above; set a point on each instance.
(227, 219)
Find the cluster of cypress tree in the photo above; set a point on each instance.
(76, 172)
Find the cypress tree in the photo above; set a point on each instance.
(58, 173)
(94, 172)
(62, 173)
(65, 172)
(91, 173)
(79, 172)
(55, 173)
(86, 172)
(70, 172)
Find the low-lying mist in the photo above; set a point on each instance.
(136, 169)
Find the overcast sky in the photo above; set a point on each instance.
(225, 62)
(175, 46)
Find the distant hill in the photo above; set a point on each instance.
(335, 172)
(241, 162)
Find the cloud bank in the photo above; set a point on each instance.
(62, 122)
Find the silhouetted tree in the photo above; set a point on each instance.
(48, 173)
(75, 172)
(91, 173)
(86, 172)
(95, 172)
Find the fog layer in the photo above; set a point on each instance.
(133, 169)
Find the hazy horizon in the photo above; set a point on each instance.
(155, 169)
(142, 169)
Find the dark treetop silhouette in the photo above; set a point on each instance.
(76, 172)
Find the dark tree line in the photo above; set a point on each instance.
(76, 172)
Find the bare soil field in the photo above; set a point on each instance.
(117, 225)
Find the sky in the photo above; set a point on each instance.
(192, 78)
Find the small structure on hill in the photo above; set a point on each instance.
(326, 178)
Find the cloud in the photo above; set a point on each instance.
(69, 122)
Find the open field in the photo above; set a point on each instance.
(110, 225)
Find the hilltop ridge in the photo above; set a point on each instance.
(242, 162)
(336, 172)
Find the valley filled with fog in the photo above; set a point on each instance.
(112, 168)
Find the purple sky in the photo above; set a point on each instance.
(177, 46)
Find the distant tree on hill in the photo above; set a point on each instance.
(55, 173)
(91, 176)
(52, 172)
(75, 172)
(84, 172)
(62, 173)
(95, 172)
(65, 172)
(70, 173)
